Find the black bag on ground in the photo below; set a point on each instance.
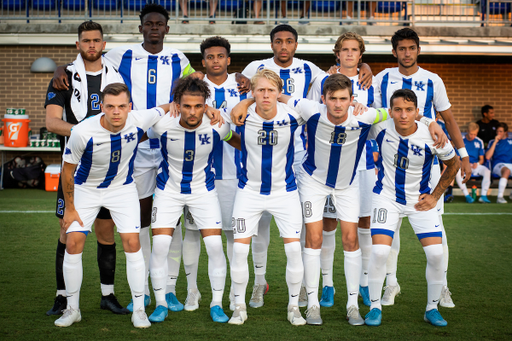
(24, 172)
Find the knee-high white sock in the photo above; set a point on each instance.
(259, 249)
(434, 274)
(486, 182)
(191, 252)
(445, 252)
(327, 257)
(353, 266)
(294, 271)
(377, 273)
(240, 271)
(365, 244)
(392, 261)
(174, 260)
(216, 268)
(145, 244)
(73, 274)
(158, 266)
(462, 186)
(135, 271)
(311, 258)
(501, 187)
(230, 239)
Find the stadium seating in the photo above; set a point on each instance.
(44, 5)
(73, 5)
(390, 7)
(13, 5)
(106, 5)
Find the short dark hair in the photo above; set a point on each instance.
(504, 126)
(115, 89)
(153, 8)
(404, 33)
(283, 28)
(190, 85)
(89, 26)
(337, 82)
(486, 108)
(215, 41)
(406, 94)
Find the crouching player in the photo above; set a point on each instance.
(403, 190)
(104, 148)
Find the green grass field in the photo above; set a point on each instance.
(480, 279)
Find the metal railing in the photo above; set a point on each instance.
(319, 12)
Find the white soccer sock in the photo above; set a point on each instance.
(191, 252)
(353, 266)
(294, 271)
(230, 239)
(327, 257)
(377, 273)
(462, 186)
(365, 245)
(434, 274)
(145, 244)
(486, 182)
(392, 261)
(445, 252)
(260, 247)
(135, 271)
(73, 274)
(158, 266)
(174, 259)
(240, 271)
(501, 187)
(311, 258)
(216, 268)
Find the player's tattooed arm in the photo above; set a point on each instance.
(239, 112)
(428, 201)
(60, 78)
(68, 187)
(244, 83)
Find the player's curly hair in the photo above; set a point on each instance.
(404, 33)
(406, 94)
(348, 36)
(337, 82)
(192, 85)
(285, 28)
(213, 42)
(153, 8)
(271, 76)
(115, 89)
(89, 26)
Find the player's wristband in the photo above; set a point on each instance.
(426, 121)
(228, 136)
(463, 152)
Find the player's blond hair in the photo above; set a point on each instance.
(270, 75)
(473, 126)
(348, 36)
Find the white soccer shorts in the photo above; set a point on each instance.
(434, 180)
(480, 170)
(497, 169)
(367, 180)
(145, 170)
(329, 209)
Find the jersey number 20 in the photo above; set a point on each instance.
(267, 137)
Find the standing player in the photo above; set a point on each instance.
(102, 150)
(403, 189)
(88, 75)
(500, 155)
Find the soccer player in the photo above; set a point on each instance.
(499, 153)
(475, 147)
(97, 172)
(487, 124)
(403, 189)
(88, 75)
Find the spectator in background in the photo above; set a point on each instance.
(500, 154)
(488, 125)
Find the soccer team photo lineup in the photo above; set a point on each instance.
(168, 155)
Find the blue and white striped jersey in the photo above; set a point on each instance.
(226, 159)
(365, 97)
(106, 159)
(406, 162)
(502, 152)
(428, 87)
(366, 161)
(187, 154)
(334, 150)
(475, 148)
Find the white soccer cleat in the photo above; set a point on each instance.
(390, 292)
(295, 317)
(501, 200)
(313, 316)
(140, 319)
(239, 315)
(68, 317)
(353, 316)
(257, 295)
(303, 297)
(193, 299)
(446, 298)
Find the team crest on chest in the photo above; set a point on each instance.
(165, 60)
(204, 138)
(419, 86)
(282, 123)
(232, 93)
(297, 70)
(416, 150)
(129, 137)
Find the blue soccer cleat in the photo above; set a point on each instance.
(147, 301)
(469, 199)
(483, 199)
(327, 299)
(172, 302)
(373, 318)
(218, 315)
(159, 314)
(434, 317)
(365, 294)
(449, 198)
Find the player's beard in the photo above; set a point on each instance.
(89, 58)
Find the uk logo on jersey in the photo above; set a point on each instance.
(232, 93)
(282, 123)
(204, 138)
(416, 150)
(297, 70)
(477, 145)
(165, 60)
(419, 86)
(129, 137)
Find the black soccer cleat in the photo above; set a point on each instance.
(110, 303)
(59, 305)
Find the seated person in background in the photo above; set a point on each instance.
(488, 125)
(500, 155)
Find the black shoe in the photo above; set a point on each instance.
(110, 303)
(59, 305)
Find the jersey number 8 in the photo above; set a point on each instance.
(116, 155)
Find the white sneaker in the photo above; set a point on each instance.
(303, 297)
(446, 298)
(353, 316)
(239, 315)
(231, 300)
(501, 200)
(193, 299)
(390, 292)
(258, 290)
(140, 319)
(313, 316)
(68, 317)
(295, 317)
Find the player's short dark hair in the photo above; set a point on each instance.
(115, 89)
(504, 126)
(192, 85)
(213, 42)
(89, 26)
(486, 108)
(153, 8)
(406, 94)
(404, 33)
(283, 28)
(337, 82)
